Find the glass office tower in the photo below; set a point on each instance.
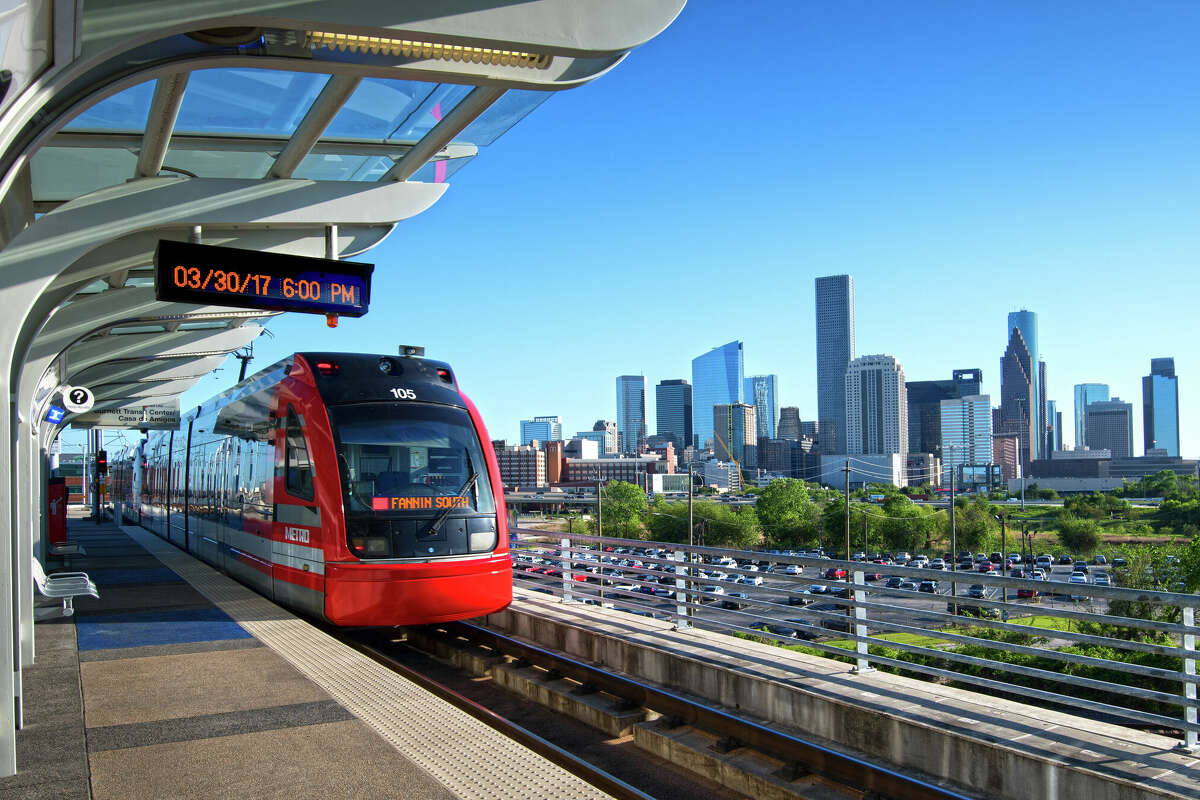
(631, 413)
(673, 412)
(717, 378)
(835, 351)
(1026, 323)
(1160, 407)
(543, 429)
(762, 392)
(1086, 393)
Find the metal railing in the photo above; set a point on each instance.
(680, 583)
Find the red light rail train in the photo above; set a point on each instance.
(359, 489)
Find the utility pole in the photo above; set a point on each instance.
(953, 546)
(847, 509)
(1003, 558)
(599, 512)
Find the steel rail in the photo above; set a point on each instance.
(581, 769)
(844, 769)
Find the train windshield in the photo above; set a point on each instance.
(410, 458)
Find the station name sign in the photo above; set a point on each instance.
(226, 276)
(147, 416)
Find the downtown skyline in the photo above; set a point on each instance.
(956, 184)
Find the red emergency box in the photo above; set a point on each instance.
(56, 510)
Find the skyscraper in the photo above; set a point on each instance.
(762, 392)
(1110, 427)
(876, 406)
(1086, 393)
(789, 423)
(735, 434)
(1054, 427)
(1017, 413)
(1160, 407)
(631, 413)
(544, 429)
(966, 434)
(1026, 323)
(717, 378)
(924, 407)
(835, 350)
(1044, 422)
(673, 412)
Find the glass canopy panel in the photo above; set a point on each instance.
(124, 111)
(64, 173)
(440, 102)
(513, 106)
(343, 168)
(440, 171)
(262, 101)
(218, 163)
(377, 107)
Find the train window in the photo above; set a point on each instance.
(299, 471)
(414, 453)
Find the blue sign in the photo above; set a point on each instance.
(55, 415)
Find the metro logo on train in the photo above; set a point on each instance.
(314, 484)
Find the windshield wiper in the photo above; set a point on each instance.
(445, 515)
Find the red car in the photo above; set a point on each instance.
(985, 566)
(835, 573)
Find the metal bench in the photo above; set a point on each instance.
(64, 585)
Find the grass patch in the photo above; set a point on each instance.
(1043, 622)
(916, 639)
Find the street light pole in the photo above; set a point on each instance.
(1003, 557)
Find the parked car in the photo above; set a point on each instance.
(1014, 558)
(1044, 562)
(709, 593)
(1118, 562)
(1078, 579)
(733, 600)
(976, 590)
(1100, 559)
(1080, 566)
(937, 563)
(985, 566)
(909, 585)
(1027, 593)
(835, 573)
(777, 630)
(1066, 559)
(930, 587)
(751, 580)
(799, 599)
(894, 582)
(1102, 579)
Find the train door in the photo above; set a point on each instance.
(299, 564)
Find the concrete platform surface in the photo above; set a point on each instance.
(178, 682)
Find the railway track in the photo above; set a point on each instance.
(840, 775)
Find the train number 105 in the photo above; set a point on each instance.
(404, 394)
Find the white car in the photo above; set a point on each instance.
(793, 569)
(1102, 579)
(751, 580)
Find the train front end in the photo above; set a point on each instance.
(424, 535)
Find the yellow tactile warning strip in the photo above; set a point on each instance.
(467, 757)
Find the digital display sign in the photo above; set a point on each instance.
(226, 276)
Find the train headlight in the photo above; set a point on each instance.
(369, 545)
(386, 366)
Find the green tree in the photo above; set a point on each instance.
(720, 525)
(667, 522)
(1076, 534)
(787, 513)
(905, 525)
(973, 523)
(623, 506)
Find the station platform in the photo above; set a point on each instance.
(179, 682)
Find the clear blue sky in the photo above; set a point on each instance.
(960, 159)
